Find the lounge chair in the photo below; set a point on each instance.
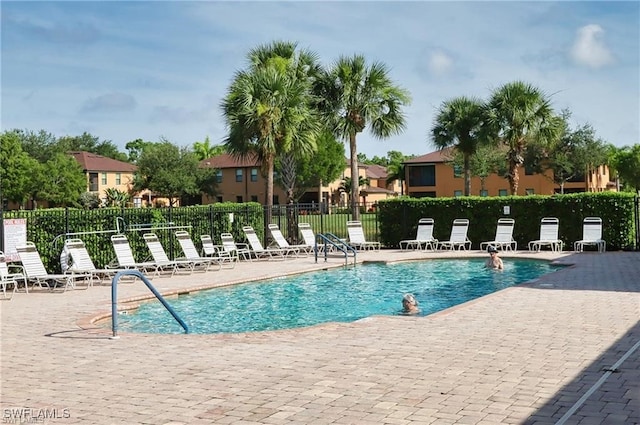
(12, 279)
(210, 249)
(81, 262)
(591, 235)
(191, 253)
(37, 274)
(458, 238)
(126, 260)
(504, 236)
(232, 248)
(309, 238)
(161, 258)
(357, 238)
(283, 244)
(548, 235)
(259, 251)
(424, 237)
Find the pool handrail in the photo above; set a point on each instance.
(114, 300)
(336, 242)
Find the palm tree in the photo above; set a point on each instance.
(458, 123)
(519, 113)
(268, 109)
(204, 150)
(395, 171)
(355, 95)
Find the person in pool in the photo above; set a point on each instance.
(494, 262)
(409, 304)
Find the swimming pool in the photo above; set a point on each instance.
(336, 295)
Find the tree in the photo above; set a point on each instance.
(268, 108)
(15, 168)
(485, 161)
(135, 148)
(204, 150)
(626, 162)
(63, 181)
(458, 124)
(88, 143)
(172, 172)
(39, 146)
(518, 114)
(354, 96)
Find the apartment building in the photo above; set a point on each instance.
(432, 175)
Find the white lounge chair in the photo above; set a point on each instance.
(7, 278)
(504, 236)
(37, 274)
(548, 235)
(126, 260)
(282, 243)
(309, 238)
(357, 238)
(424, 237)
(161, 258)
(81, 262)
(458, 238)
(210, 249)
(191, 253)
(591, 235)
(239, 250)
(258, 250)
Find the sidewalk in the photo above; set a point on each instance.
(524, 355)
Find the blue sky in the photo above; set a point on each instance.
(139, 69)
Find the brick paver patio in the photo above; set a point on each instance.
(524, 355)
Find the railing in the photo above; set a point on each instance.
(114, 300)
(336, 242)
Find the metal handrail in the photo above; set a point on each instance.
(333, 240)
(114, 300)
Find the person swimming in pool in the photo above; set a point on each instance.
(494, 262)
(409, 304)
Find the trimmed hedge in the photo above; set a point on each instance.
(399, 217)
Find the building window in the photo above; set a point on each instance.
(276, 200)
(423, 175)
(93, 182)
(457, 171)
(254, 174)
(218, 176)
(530, 191)
(502, 192)
(484, 193)
(239, 199)
(529, 169)
(104, 179)
(254, 198)
(118, 178)
(239, 175)
(457, 193)
(219, 198)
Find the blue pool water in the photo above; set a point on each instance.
(337, 295)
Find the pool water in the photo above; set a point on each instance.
(337, 295)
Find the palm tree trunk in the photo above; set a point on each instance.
(269, 194)
(514, 178)
(355, 189)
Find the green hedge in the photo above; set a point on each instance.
(399, 217)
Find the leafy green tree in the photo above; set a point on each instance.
(518, 114)
(15, 168)
(268, 108)
(626, 162)
(89, 200)
(205, 150)
(63, 181)
(486, 160)
(40, 146)
(89, 143)
(353, 96)
(458, 124)
(346, 184)
(135, 149)
(172, 172)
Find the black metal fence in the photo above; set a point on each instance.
(49, 228)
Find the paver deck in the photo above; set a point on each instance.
(524, 355)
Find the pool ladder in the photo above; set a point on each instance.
(114, 300)
(331, 240)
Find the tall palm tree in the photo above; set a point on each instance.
(204, 150)
(268, 109)
(355, 96)
(458, 124)
(519, 113)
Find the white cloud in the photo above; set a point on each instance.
(440, 63)
(589, 48)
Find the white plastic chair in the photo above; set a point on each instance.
(424, 237)
(504, 236)
(191, 253)
(591, 235)
(210, 249)
(258, 250)
(282, 243)
(36, 272)
(549, 227)
(161, 258)
(458, 238)
(357, 238)
(12, 279)
(235, 249)
(81, 261)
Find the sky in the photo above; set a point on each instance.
(123, 70)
